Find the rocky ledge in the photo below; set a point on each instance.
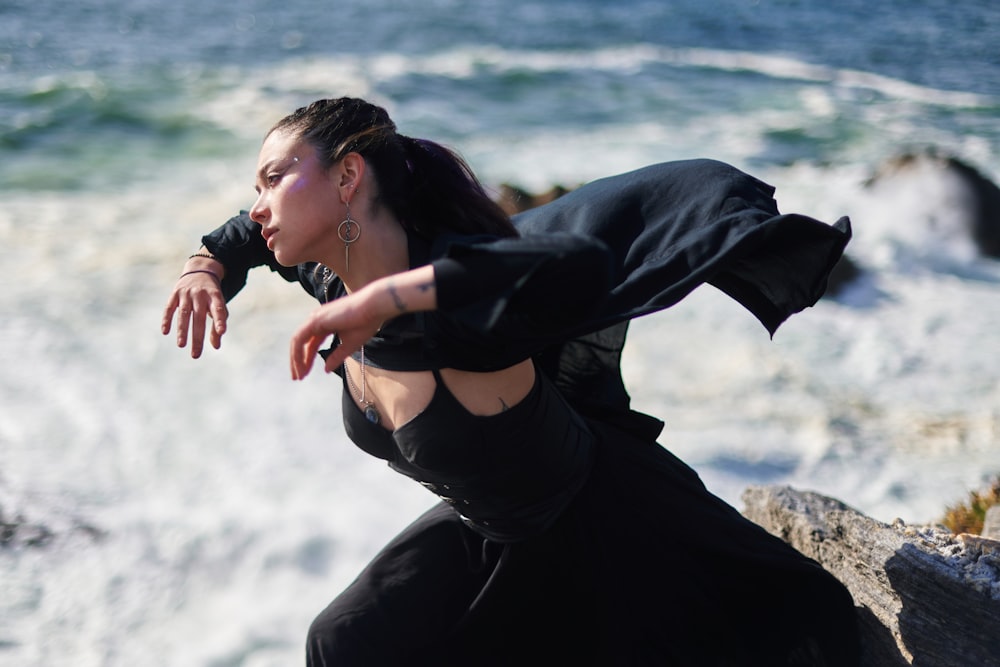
(924, 596)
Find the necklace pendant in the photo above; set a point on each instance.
(371, 414)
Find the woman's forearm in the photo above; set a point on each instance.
(400, 293)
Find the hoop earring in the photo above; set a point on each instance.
(348, 231)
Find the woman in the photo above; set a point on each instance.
(480, 358)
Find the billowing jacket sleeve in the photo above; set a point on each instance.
(676, 225)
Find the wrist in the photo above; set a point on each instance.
(379, 302)
(205, 261)
(205, 271)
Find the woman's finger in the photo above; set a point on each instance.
(168, 314)
(220, 316)
(299, 352)
(214, 337)
(183, 322)
(197, 332)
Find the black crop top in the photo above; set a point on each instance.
(508, 475)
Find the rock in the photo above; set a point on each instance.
(17, 532)
(976, 199)
(924, 596)
(513, 199)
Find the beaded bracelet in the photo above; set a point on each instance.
(206, 256)
(211, 273)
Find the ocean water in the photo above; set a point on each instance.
(202, 512)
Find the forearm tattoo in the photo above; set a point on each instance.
(398, 300)
(400, 305)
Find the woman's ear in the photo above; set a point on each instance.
(350, 173)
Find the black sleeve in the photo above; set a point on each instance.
(240, 247)
(528, 287)
(674, 226)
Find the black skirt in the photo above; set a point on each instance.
(646, 567)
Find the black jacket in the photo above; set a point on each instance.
(585, 265)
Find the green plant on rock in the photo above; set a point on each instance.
(968, 517)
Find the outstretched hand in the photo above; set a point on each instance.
(347, 318)
(196, 297)
(357, 317)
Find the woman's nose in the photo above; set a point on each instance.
(258, 212)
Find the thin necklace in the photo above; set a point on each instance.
(371, 412)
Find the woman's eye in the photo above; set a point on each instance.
(272, 179)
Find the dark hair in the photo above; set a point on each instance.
(428, 187)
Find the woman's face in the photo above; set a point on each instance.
(298, 203)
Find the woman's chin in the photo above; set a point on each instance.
(284, 258)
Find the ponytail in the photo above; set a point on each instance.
(429, 188)
(446, 196)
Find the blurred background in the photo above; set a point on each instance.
(156, 510)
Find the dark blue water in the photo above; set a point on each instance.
(929, 42)
(96, 93)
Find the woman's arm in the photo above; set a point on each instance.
(355, 318)
(215, 274)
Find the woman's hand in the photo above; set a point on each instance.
(349, 317)
(357, 317)
(197, 296)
